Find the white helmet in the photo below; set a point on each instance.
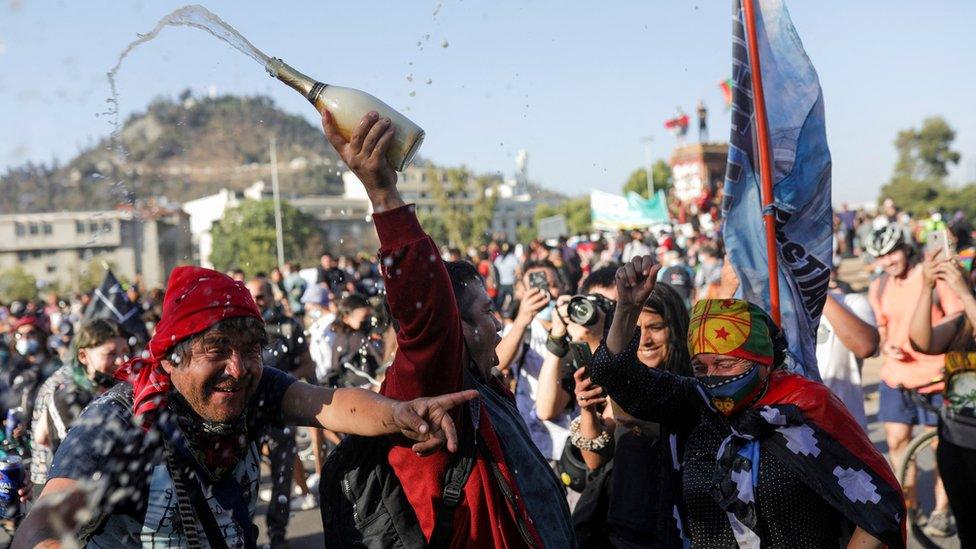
(885, 240)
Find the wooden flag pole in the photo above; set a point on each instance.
(765, 156)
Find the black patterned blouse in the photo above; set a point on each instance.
(790, 514)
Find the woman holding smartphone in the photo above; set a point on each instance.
(953, 336)
(633, 498)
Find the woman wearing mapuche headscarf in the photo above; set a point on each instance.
(771, 459)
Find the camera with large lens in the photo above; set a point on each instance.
(583, 309)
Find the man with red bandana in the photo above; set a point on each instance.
(170, 459)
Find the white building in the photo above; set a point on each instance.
(56, 247)
(343, 220)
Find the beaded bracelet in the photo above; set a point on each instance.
(589, 444)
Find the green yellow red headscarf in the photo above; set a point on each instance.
(730, 327)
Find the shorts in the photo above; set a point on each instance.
(898, 407)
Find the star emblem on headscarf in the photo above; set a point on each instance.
(857, 485)
(722, 333)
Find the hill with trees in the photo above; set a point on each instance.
(181, 148)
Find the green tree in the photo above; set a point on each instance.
(434, 226)
(963, 199)
(579, 218)
(660, 174)
(484, 210)
(456, 222)
(924, 156)
(245, 236)
(915, 196)
(16, 283)
(90, 275)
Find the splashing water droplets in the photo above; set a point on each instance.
(194, 16)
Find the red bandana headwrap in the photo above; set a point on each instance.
(196, 299)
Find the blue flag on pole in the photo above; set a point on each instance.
(801, 180)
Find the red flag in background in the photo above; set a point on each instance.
(726, 86)
(678, 125)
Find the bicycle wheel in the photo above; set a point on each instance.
(918, 445)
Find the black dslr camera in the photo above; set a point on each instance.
(583, 309)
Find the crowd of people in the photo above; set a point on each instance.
(592, 392)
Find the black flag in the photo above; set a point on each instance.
(109, 301)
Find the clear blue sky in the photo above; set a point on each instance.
(577, 84)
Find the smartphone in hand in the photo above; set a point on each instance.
(938, 240)
(539, 281)
(582, 357)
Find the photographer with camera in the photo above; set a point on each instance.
(522, 351)
(636, 506)
(585, 316)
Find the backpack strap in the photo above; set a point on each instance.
(192, 505)
(510, 497)
(457, 476)
(184, 509)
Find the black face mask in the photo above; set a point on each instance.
(216, 446)
(103, 380)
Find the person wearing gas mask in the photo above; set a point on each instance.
(771, 459)
(522, 351)
(99, 349)
(29, 365)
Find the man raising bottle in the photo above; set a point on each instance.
(446, 340)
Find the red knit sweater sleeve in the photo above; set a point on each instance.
(418, 289)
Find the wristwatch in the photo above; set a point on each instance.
(558, 346)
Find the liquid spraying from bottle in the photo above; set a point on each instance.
(347, 105)
(194, 16)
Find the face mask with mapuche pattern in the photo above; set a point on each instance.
(730, 394)
(732, 328)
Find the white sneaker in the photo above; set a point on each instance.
(304, 503)
(265, 495)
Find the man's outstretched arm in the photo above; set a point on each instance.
(362, 412)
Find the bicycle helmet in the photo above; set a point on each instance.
(885, 240)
